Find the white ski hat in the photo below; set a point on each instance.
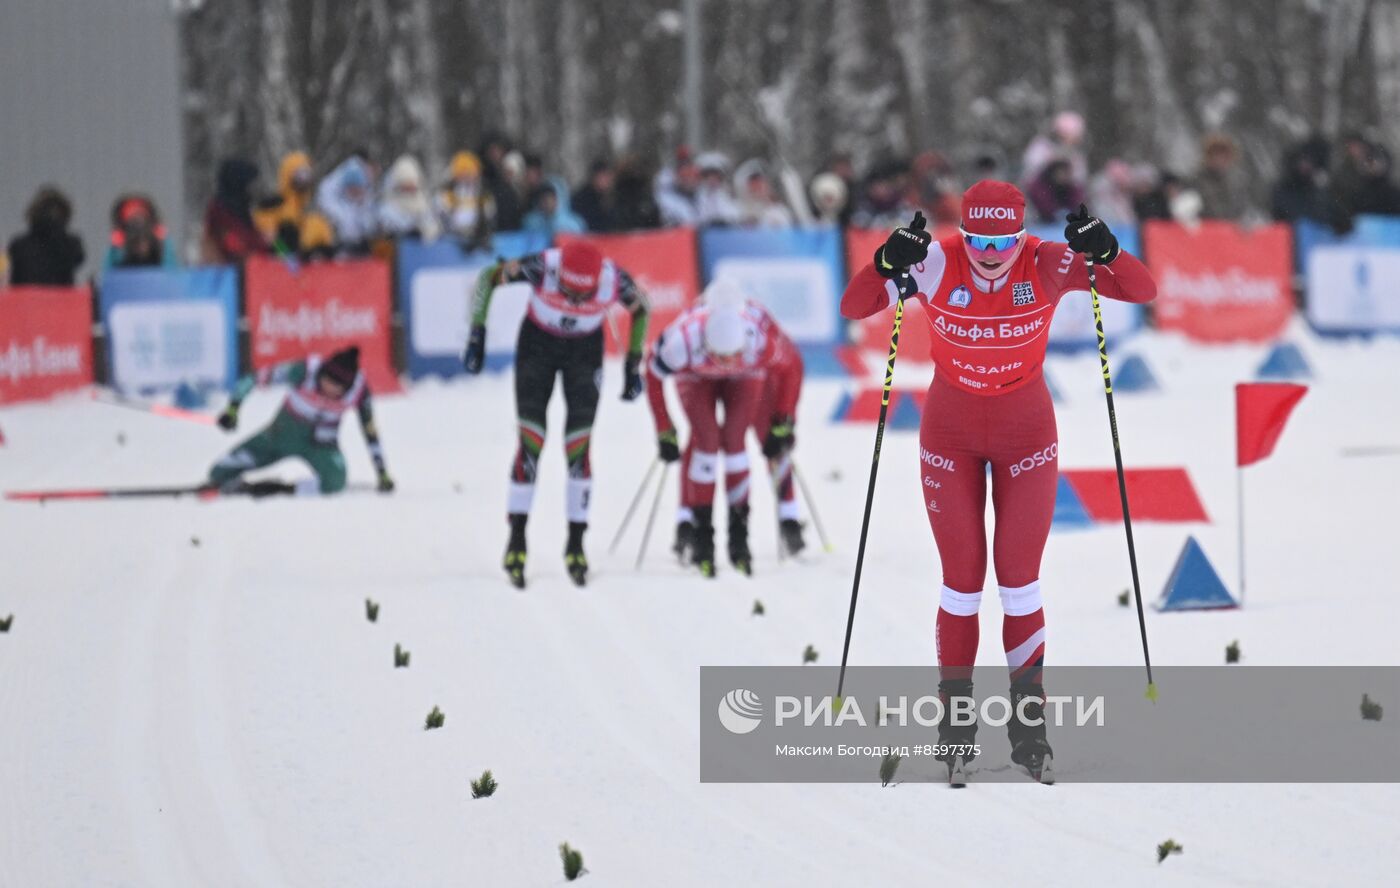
(725, 332)
(724, 292)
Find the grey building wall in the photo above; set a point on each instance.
(89, 101)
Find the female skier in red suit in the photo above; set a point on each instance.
(989, 293)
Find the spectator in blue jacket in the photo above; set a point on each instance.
(549, 211)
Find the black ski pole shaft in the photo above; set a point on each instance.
(1122, 480)
(651, 516)
(811, 507)
(627, 519)
(870, 490)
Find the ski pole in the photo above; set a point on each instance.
(874, 468)
(811, 507)
(651, 517)
(1122, 481)
(775, 474)
(627, 519)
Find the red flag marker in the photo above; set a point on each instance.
(1261, 411)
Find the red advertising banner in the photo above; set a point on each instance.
(45, 341)
(663, 263)
(319, 308)
(1218, 282)
(873, 334)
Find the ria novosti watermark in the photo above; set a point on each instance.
(1209, 724)
(742, 710)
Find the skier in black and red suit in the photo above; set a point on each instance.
(572, 289)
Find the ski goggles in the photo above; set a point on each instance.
(997, 243)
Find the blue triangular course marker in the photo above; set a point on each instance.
(843, 407)
(905, 415)
(1069, 509)
(187, 397)
(1285, 361)
(1194, 584)
(1134, 376)
(1054, 389)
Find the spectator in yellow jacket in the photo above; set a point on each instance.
(288, 220)
(467, 208)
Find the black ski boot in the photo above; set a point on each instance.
(702, 552)
(684, 545)
(790, 529)
(957, 742)
(1029, 748)
(574, 560)
(258, 489)
(515, 551)
(739, 554)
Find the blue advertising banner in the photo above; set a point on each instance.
(1129, 237)
(1073, 327)
(171, 326)
(1367, 231)
(435, 283)
(795, 272)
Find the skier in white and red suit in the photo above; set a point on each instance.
(989, 293)
(726, 352)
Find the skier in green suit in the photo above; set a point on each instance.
(307, 426)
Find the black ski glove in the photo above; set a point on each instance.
(631, 378)
(667, 448)
(228, 420)
(1089, 235)
(780, 438)
(476, 350)
(904, 247)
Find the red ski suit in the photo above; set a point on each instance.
(988, 405)
(762, 383)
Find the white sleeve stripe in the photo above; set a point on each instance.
(892, 290)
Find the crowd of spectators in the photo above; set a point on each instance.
(355, 208)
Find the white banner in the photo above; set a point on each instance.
(1354, 289)
(797, 291)
(442, 312)
(158, 345)
(1074, 319)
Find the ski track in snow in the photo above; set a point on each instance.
(223, 713)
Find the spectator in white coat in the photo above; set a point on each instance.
(346, 197)
(405, 209)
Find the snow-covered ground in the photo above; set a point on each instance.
(191, 693)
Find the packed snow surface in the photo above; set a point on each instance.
(191, 693)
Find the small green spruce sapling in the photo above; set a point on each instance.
(573, 862)
(484, 786)
(888, 765)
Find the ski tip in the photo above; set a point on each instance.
(1151, 691)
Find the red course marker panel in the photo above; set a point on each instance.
(1153, 494)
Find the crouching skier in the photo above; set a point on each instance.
(307, 426)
